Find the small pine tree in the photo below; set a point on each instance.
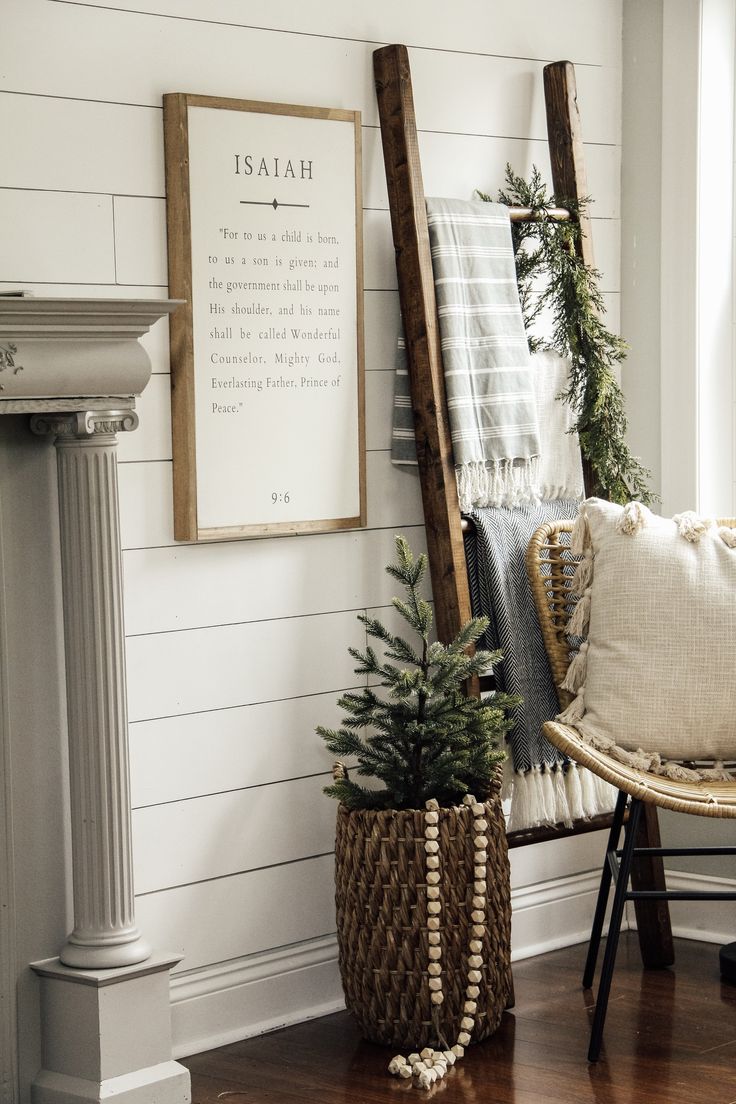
(425, 738)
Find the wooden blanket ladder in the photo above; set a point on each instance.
(443, 521)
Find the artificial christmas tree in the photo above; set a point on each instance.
(427, 738)
(422, 878)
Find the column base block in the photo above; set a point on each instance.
(106, 1034)
(80, 957)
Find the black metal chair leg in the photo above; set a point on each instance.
(614, 928)
(603, 891)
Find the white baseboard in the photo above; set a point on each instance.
(552, 914)
(705, 921)
(230, 1001)
(224, 1003)
(559, 913)
(236, 1000)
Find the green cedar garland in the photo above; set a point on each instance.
(570, 289)
(425, 738)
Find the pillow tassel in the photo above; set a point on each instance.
(580, 536)
(575, 709)
(678, 773)
(583, 576)
(638, 760)
(717, 773)
(580, 620)
(691, 526)
(634, 517)
(576, 672)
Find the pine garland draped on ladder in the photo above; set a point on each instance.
(553, 277)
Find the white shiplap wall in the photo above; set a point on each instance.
(236, 650)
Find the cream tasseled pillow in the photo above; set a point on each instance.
(656, 672)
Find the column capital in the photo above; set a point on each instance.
(84, 424)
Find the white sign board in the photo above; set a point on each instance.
(264, 217)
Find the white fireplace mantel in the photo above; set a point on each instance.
(77, 366)
(56, 354)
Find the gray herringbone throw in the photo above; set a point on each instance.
(490, 393)
(499, 589)
(543, 788)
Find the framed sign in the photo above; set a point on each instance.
(264, 220)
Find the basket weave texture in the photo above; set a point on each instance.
(382, 923)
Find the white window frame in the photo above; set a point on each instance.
(697, 256)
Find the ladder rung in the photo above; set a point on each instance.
(527, 214)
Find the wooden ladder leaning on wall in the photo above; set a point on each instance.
(443, 521)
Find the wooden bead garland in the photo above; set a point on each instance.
(431, 1065)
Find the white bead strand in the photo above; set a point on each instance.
(431, 1065)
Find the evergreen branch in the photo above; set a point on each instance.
(340, 742)
(400, 649)
(356, 797)
(549, 249)
(367, 661)
(374, 628)
(469, 633)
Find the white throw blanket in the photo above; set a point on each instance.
(560, 465)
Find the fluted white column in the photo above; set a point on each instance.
(105, 934)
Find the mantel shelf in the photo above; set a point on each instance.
(60, 353)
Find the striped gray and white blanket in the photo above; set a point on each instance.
(488, 379)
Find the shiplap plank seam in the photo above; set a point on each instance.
(252, 621)
(366, 207)
(233, 789)
(243, 705)
(359, 41)
(255, 621)
(235, 540)
(235, 874)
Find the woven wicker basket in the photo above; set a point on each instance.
(382, 924)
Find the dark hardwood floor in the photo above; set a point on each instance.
(670, 1039)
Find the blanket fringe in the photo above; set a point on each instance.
(498, 483)
(560, 794)
(574, 790)
(507, 780)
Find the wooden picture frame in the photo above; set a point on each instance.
(264, 219)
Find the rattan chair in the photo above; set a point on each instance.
(550, 565)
